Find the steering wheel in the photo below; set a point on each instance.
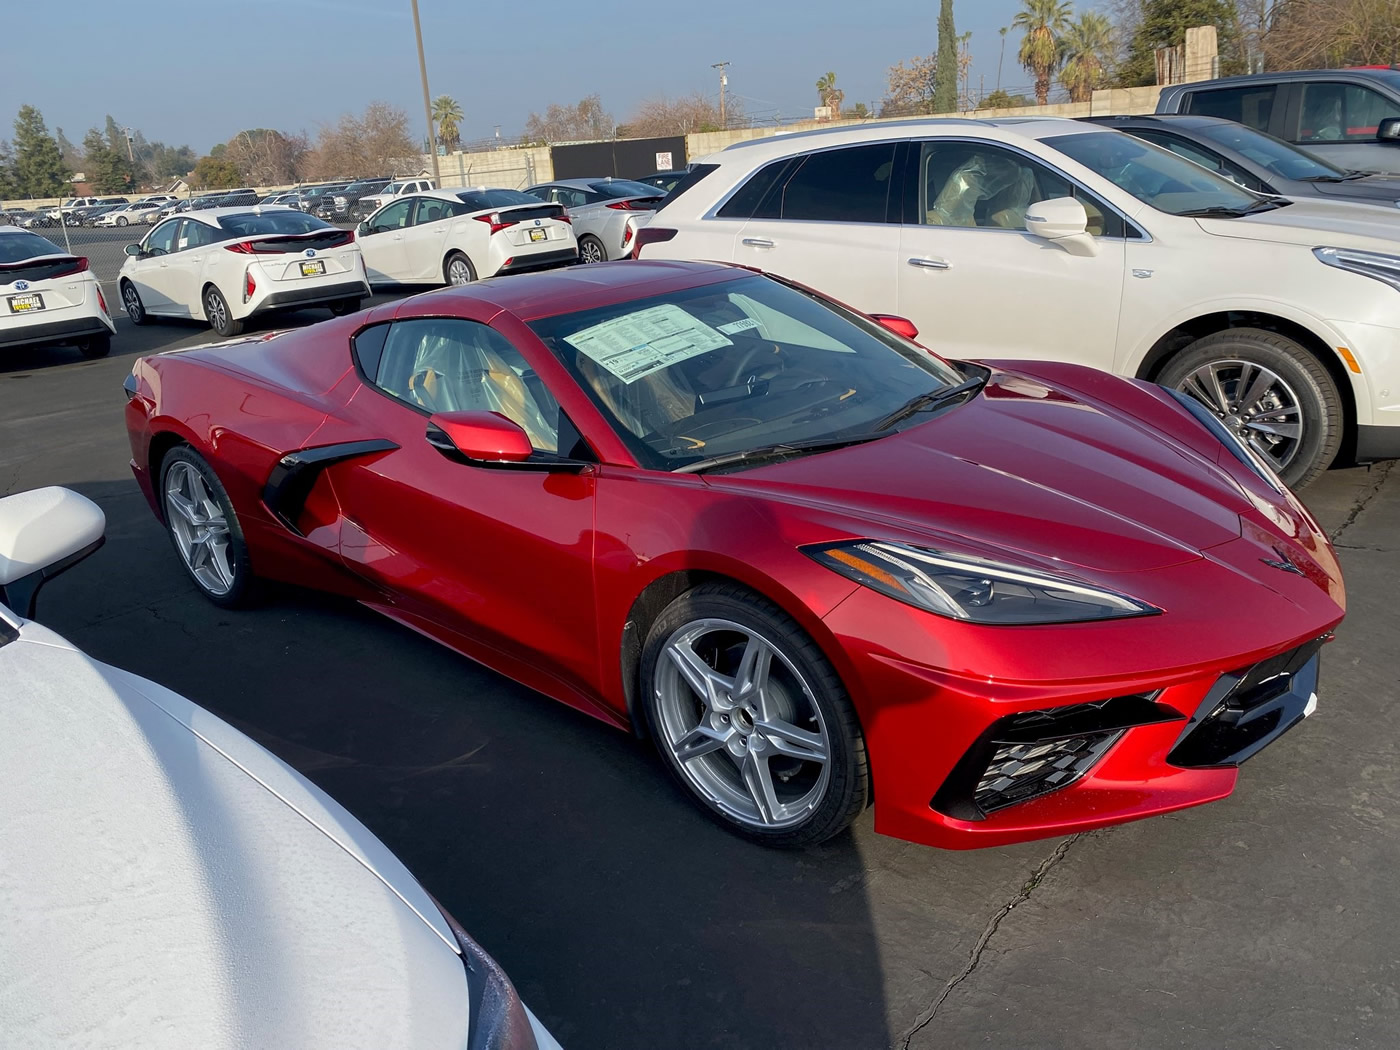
(742, 367)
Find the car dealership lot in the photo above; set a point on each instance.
(627, 919)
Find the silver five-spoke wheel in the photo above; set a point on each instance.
(742, 723)
(1253, 401)
(459, 271)
(199, 528)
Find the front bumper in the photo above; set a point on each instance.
(1376, 443)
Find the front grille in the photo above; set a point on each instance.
(1030, 754)
(1246, 711)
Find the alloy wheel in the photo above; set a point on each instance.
(131, 299)
(590, 251)
(1253, 401)
(196, 520)
(742, 724)
(217, 313)
(458, 272)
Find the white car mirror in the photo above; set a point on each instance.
(1062, 221)
(43, 532)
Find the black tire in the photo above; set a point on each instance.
(96, 346)
(588, 245)
(121, 220)
(848, 787)
(341, 307)
(244, 589)
(132, 304)
(1319, 404)
(217, 313)
(459, 260)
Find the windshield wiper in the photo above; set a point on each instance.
(1263, 204)
(782, 448)
(933, 399)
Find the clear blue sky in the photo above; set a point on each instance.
(197, 72)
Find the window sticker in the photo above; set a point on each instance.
(634, 346)
(738, 326)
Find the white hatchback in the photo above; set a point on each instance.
(170, 884)
(457, 236)
(225, 265)
(1045, 238)
(49, 296)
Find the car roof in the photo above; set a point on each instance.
(1178, 120)
(570, 288)
(210, 214)
(1390, 76)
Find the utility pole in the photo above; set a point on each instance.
(723, 83)
(427, 102)
(129, 155)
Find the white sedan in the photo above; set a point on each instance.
(225, 265)
(168, 883)
(457, 236)
(142, 213)
(49, 296)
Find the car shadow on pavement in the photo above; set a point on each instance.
(626, 917)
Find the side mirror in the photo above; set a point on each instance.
(133, 250)
(43, 532)
(362, 228)
(484, 438)
(1062, 221)
(1388, 130)
(901, 326)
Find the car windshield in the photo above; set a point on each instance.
(623, 188)
(483, 199)
(1156, 176)
(249, 224)
(1277, 156)
(740, 366)
(16, 247)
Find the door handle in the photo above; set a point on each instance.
(931, 264)
(757, 242)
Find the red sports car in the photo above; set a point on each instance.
(814, 562)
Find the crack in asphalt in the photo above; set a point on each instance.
(1382, 474)
(975, 957)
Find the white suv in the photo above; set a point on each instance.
(1045, 238)
(367, 206)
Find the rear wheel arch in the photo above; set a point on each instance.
(1188, 332)
(452, 253)
(162, 444)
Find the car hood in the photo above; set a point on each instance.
(1382, 188)
(169, 883)
(1058, 477)
(1313, 222)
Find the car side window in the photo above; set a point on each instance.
(746, 200)
(570, 197)
(450, 365)
(1252, 105)
(977, 185)
(1333, 112)
(197, 234)
(840, 185)
(430, 209)
(394, 217)
(162, 238)
(1199, 155)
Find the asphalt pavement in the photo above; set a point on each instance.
(628, 920)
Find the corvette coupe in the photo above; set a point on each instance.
(813, 561)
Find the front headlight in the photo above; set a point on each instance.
(1238, 447)
(963, 587)
(1383, 268)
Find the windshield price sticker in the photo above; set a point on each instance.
(738, 326)
(636, 345)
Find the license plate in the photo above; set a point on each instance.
(313, 269)
(26, 304)
(537, 235)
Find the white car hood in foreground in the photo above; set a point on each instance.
(1339, 224)
(165, 882)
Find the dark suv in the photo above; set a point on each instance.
(336, 205)
(1349, 117)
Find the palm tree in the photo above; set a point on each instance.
(830, 94)
(447, 114)
(1084, 47)
(1043, 23)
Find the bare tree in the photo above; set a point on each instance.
(268, 158)
(587, 119)
(374, 143)
(1302, 34)
(680, 116)
(910, 88)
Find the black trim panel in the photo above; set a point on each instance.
(542, 261)
(325, 293)
(291, 480)
(54, 332)
(1373, 443)
(22, 595)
